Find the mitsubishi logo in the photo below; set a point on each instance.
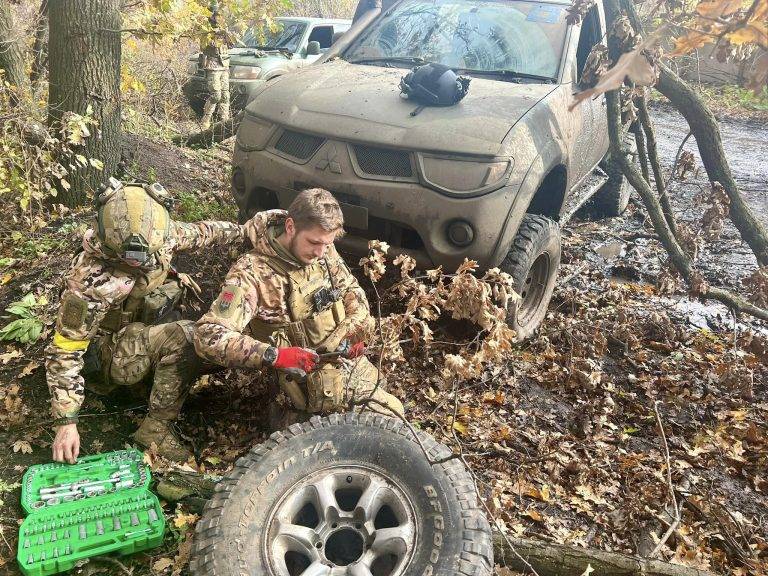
(329, 160)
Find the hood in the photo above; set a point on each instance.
(256, 229)
(253, 57)
(361, 103)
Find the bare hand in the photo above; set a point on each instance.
(66, 445)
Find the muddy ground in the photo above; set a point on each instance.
(564, 440)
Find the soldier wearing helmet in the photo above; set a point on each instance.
(291, 305)
(117, 323)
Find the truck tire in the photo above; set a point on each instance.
(612, 198)
(347, 490)
(533, 262)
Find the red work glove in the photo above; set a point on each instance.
(295, 357)
(356, 350)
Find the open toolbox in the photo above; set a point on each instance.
(101, 504)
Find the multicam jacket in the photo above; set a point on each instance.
(255, 293)
(97, 287)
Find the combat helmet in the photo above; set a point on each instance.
(132, 219)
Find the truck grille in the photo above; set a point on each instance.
(298, 145)
(383, 162)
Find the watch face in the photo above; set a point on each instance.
(270, 355)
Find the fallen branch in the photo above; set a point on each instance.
(677, 256)
(549, 559)
(216, 133)
(675, 507)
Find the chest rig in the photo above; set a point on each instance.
(151, 300)
(313, 303)
(315, 309)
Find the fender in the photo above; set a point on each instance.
(549, 158)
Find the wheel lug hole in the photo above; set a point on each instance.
(318, 545)
(349, 479)
(334, 525)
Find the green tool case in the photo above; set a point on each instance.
(101, 504)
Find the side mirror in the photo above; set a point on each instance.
(336, 36)
(313, 48)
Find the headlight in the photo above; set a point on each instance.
(192, 67)
(244, 72)
(463, 176)
(254, 133)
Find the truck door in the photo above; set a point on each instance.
(592, 142)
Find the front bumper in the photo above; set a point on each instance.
(406, 214)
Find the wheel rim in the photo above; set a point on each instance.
(533, 288)
(341, 521)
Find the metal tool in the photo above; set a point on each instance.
(99, 527)
(152, 515)
(82, 531)
(134, 519)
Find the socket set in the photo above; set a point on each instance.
(100, 505)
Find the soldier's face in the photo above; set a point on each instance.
(308, 244)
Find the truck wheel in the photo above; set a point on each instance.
(612, 198)
(349, 494)
(533, 262)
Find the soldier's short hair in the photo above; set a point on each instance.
(316, 207)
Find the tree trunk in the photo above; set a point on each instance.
(40, 48)
(84, 71)
(12, 52)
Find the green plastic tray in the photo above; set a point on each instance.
(100, 505)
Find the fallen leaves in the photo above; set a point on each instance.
(22, 446)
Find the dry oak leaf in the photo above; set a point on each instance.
(162, 565)
(10, 355)
(633, 64)
(718, 8)
(22, 446)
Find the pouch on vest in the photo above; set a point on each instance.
(160, 304)
(325, 389)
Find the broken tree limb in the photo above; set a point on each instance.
(704, 127)
(653, 158)
(549, 559)
(216, 133)
(677, 256)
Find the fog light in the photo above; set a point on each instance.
(460, 233)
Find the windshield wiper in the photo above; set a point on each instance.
(513, 74)
(272, 49)
(400, 59)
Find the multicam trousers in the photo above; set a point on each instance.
(130, 356)
(217, 85)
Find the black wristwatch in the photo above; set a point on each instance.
(269, 356)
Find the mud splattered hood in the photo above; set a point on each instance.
(361, 103)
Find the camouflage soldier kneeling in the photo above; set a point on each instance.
(291, 298)
(117, 324)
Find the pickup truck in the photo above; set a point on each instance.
(491, 178)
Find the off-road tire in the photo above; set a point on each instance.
(451, 537)
(533, 262)
(612, 198)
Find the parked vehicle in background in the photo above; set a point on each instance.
(267, 53)
(491, 178)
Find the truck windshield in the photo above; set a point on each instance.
(486, 36)
(285, 35)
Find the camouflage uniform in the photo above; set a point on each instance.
(104, 333)
(215, 63)
(267, 300)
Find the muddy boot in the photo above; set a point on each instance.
(160, 432)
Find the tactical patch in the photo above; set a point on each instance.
(230, 299)
(74, 311)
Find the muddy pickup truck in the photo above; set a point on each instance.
(491, 178)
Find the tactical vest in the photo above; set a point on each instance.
(152, 298)
(312, 320)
